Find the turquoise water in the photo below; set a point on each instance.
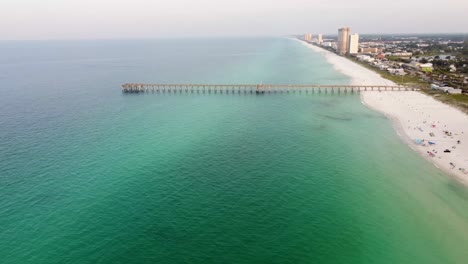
(91, 175)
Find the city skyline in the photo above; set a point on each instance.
(54, 19)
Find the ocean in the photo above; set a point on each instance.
(91, 175)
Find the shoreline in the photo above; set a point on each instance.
(359, 75)
(414, 116)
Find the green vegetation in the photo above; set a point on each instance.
(405, 80)
(464, 52)
(427, 53)
(398, 59)
(392, 58)
(401, 80)
(460, 101)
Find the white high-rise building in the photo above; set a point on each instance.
(319, 39)
(308, 37)
(353, 44)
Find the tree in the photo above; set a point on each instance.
(423, 60)
(440, 63)
(437, 57)
(465, 48)
(448, 58)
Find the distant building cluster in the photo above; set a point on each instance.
(370, 50)
(347, 43)
(436, 59)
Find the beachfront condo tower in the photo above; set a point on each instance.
(353, 44)
(319, 39)
(343, 35)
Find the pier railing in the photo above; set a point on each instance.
(255, 88)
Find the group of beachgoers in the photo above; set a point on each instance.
(428, 143)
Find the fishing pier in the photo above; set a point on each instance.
(255, 88)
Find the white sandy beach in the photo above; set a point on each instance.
(420, 117)
(359, 75)
(416, 117)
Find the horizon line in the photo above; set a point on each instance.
(229, 37)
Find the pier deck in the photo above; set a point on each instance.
(256, 88)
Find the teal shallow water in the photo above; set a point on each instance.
(90, 175)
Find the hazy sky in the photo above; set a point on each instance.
(82, 19)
